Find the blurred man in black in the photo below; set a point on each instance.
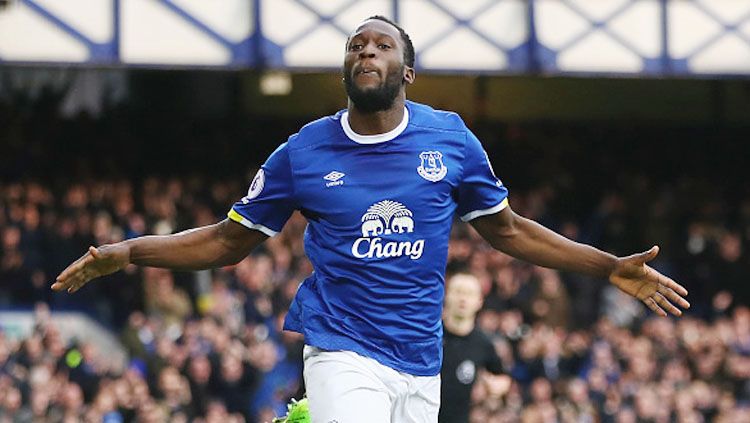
(466, 350)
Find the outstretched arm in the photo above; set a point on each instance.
(216, 245)
(527, 240)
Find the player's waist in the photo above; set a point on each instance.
(374, 314)
(403, 350)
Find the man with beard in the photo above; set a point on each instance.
(379, 184)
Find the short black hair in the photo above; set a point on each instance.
(409, 46)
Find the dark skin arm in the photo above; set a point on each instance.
(529, 241)
(216, 245)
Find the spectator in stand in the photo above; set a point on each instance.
(163, 299)
(199, 376)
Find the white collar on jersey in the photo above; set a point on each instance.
(377, 138)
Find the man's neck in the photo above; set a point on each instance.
(458, 325)
(375, 123)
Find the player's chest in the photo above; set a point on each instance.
(356, 178)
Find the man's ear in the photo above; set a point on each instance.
(409, 75)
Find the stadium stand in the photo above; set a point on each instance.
(207, 346)
(214, 352)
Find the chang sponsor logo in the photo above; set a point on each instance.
(383, 219)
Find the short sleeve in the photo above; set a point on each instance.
(480, 192)
(270, 198)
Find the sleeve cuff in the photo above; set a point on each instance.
(234, 216)
(492, 210)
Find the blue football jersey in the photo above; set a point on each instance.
(379, 211)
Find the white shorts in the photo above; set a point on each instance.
(345, 387)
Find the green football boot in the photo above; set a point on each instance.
(297, 412)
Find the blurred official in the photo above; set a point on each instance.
(466, 350)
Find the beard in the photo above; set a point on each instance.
(376, 99)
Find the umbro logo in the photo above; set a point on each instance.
(334, 176)
(334, 179)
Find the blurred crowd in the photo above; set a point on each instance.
(201, 345)
(663, 370)
(207, 346)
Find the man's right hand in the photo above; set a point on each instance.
(95, 263)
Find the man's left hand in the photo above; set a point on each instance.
(634, 277)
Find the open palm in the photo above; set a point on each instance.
(95, 263)
(634, 277)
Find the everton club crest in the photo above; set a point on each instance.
(432, 167)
